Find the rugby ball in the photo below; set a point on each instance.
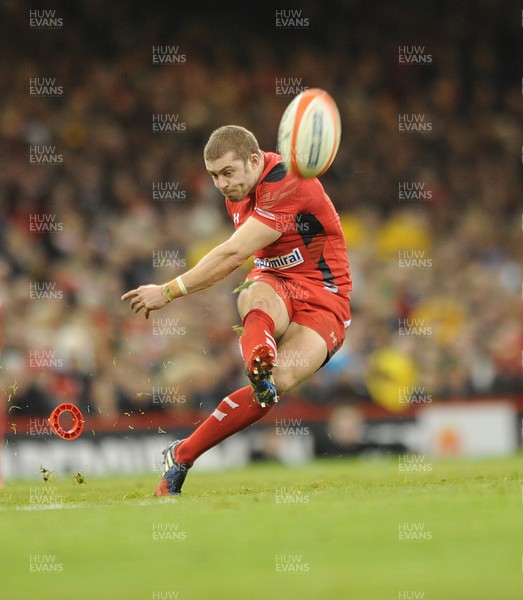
(309, 133)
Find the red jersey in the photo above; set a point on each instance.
(312, 244)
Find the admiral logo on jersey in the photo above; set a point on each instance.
(280, 262)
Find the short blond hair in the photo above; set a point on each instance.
(231, 138)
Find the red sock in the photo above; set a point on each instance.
(235, 412)
(258, 328)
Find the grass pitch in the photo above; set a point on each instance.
(334, 529)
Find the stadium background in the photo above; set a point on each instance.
(236, 64)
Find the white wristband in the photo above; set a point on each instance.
(181, 285)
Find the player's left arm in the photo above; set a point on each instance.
(220, 262)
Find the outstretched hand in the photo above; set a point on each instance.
(150, 297)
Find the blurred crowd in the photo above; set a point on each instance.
(437, 274)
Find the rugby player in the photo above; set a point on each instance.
(294, 301)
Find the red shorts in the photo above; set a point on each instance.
(310, 305)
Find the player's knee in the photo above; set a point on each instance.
(256, 296)
(257, 302)
(261, 296)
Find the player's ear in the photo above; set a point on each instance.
(255, 160)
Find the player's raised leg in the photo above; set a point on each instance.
(264, 319)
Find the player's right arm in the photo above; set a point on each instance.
(227, 257)
(213, 267)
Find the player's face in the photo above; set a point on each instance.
(233, 177)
